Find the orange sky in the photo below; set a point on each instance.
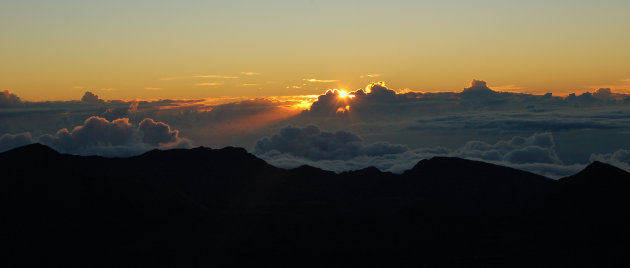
(56, 50)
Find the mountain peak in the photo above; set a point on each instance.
(32, 150)
(599, 172)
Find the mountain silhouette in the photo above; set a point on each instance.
(207, 207)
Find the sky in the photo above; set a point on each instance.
(56, 50)
(542, 86)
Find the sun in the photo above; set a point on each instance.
(343, 94)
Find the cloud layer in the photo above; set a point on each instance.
(378, 125)
(343, 151)
(312, 144)
(98, 136)
(377, 100)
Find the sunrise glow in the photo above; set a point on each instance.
(343, 94)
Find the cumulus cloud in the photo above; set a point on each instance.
(375, 100)
(95, 131)
(342, 151)
(156, 133)
(477, 89)
(100, 136)
(379, 100)
(539, 148)
(8, 99)
(90, 97)
(10, 141)
(313, 144)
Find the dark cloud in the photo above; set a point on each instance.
(342, 151)
(553, 120)
(156, 133)
(119, 137)
(313, 144)
(539, 148)
(95, 131)
(90, 97)
(113, 113)
(477, 89)
(8, 99)
(10, 141)
(378, 100)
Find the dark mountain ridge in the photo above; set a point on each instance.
(202, 207)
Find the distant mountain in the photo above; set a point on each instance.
(208, 207)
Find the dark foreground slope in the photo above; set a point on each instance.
(204, 207)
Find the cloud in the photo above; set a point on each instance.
(477, 89)
(216, 76)
(313, 80)
(343, 151)
(313, 144)
(10, 141)
(119, 137)
(8, 99)
(153, 88)
(90, 97)
(209, 84)
(508, 87)
(94, 131)
(417, 120)
(539, 148)
(553, 120)
(377, 98)
(370, 75)
(157, 133)
(379, 101)
(250, 73)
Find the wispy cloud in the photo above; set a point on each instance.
(508, 87)
(247, 85)
(251, 73)
(371, 75)
(314, 80)
(215, 76)
(152, 88)
(209, 84)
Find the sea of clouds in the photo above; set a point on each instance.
(376, 126)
